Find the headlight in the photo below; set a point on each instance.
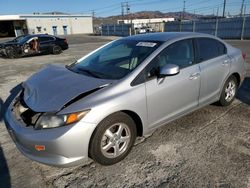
(47, 121)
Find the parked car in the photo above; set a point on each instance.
(27, 45)
(144, 30)
(97, 106)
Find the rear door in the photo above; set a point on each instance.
(215, 65)
(172, 96)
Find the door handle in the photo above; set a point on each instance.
(225, 63)
(194, 76)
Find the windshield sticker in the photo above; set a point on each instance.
(146, 44)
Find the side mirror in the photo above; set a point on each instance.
(169, 70)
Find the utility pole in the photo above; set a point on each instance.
(93, 17)
(242, 7)
(122, 7)
(184, 9)
(127, 8)
(93, 14)
(224, 7)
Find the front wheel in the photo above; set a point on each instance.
(113, 139)
(229, 91)
(12, 53)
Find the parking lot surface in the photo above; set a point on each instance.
(207, 148)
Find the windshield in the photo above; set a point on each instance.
(115, 60)
(20, 38)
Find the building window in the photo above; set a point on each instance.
(39, 29)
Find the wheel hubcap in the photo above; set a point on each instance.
(230, 91)
(115, 140)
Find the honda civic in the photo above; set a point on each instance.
(97, 106)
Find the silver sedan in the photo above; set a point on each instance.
(97, 106)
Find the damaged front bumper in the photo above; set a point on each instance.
(63, 147)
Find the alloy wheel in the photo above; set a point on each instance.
(230, 91)
(115, 140)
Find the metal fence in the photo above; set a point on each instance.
(226, 28)
(117, 30)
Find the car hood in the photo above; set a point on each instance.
(8, 43)
(53, 87)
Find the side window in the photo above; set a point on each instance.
(222, 48)
(180, 53)
(209, 48)
(46, 39)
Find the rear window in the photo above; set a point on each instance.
(210, 48)
(45, 39)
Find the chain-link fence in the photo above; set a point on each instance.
(226, 28)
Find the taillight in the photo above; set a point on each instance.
(244, 55)
(65, 40)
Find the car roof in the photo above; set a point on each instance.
(38, 35)
(165, 36)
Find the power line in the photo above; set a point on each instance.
(126, 6)
(113, 7)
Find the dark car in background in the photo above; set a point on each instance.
(27, 45)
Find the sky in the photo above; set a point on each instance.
(105, 8)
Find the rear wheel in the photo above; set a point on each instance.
(113, 139)
(229, 91)
(56, 50)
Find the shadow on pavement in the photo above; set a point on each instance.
(244, 91)
(4, 171)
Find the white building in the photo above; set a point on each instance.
(54, 24)
(138, 23)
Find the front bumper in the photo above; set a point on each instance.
(64, 146)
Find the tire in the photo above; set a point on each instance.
(229, 91)
(56, 50)
(106, 139)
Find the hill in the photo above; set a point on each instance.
(144, 15)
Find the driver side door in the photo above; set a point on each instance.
(172, 96)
